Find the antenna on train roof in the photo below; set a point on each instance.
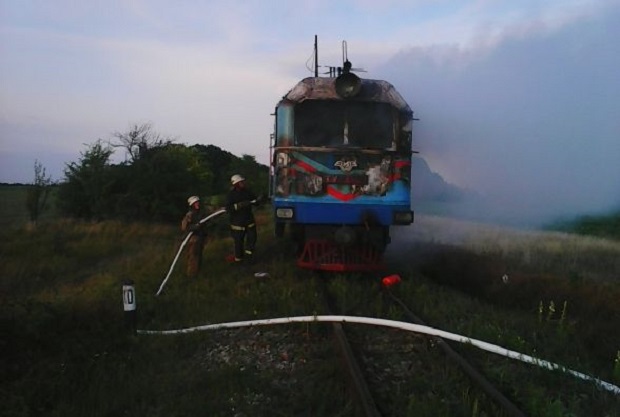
(346, 64)
(346, 67)
(316, 56)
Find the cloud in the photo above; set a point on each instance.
(212, 72)
(530, 121)
(93, 86)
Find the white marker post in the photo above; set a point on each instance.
(129, 306)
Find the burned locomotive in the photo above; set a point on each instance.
(341, 169)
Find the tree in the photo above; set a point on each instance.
(217, 161)
(138, 140)
(224, 164)
(85, 193)
(257, 175)
(154, 182)
(158, 184)
(38, 192)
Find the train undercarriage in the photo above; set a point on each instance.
(344, 248)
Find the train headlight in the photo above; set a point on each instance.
(285, 213)
(403, 217)
(348, 85)
(282, 160)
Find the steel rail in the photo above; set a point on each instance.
(366, 405)
(499, 398)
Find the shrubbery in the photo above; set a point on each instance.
(153, 185)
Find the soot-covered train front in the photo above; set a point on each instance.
(341, 173)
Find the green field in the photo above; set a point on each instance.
(66, 350)
(607, 226)
(13, 210)
(13, 205)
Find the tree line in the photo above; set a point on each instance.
(154, 181)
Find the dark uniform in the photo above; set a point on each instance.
(242, 223)
(196, 243)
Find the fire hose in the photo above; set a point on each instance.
(417, 328)
(174, 261)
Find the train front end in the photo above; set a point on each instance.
(341, 170)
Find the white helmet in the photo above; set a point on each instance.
(236, 179)
(192, 200)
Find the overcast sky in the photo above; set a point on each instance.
(517, 100)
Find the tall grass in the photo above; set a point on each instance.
(571, 256)
(65, 351)
(68, 352)
(13, 210)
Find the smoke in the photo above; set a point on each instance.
(531, 122)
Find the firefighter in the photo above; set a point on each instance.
(242, 224)
(196, 243)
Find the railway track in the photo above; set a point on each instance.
(495, 394)
(365, 382)
(364, 403)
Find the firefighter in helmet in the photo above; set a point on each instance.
(242, 224)
(196, 243)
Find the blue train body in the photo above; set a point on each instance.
(341, 169)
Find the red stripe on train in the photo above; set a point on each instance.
(340, 196)
(305, 166)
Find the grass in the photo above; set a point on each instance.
(67, 353)
(520, 270)
(558, 302)
(536, 391)
(13, 211)
(607, 226)
(559, 253)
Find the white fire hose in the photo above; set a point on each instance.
(174, 261)
(416, 328)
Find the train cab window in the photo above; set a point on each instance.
(344, 123)
(318, 123)
(371, 125)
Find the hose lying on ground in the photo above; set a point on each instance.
(398, 325)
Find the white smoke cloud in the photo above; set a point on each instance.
(530, 122)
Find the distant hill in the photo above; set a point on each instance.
(428, 186)
(431, 194)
